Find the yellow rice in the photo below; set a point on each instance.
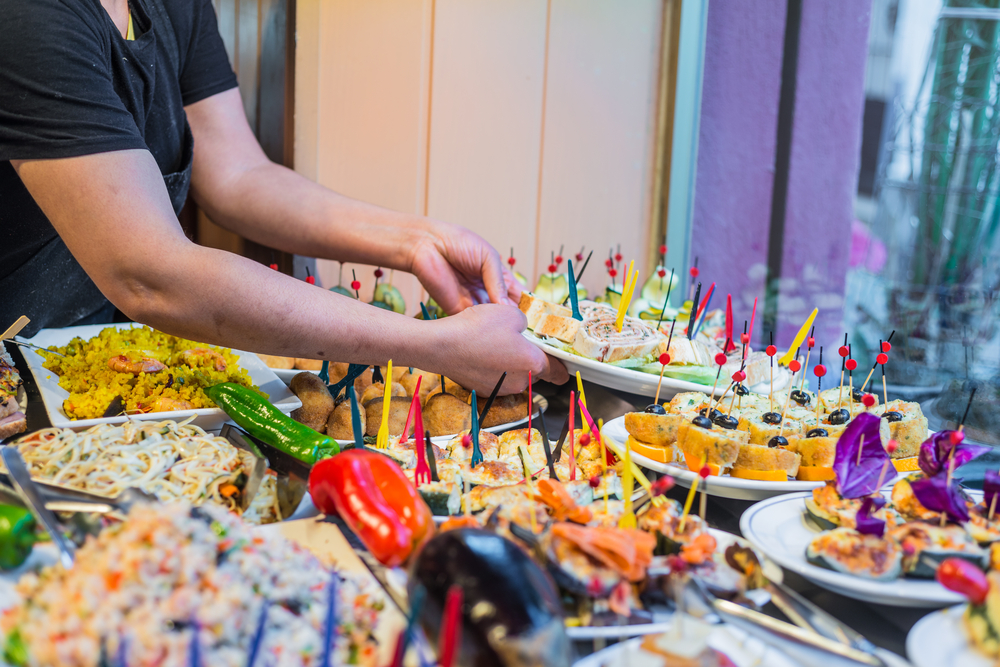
(84, 372)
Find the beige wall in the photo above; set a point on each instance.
(528, 121)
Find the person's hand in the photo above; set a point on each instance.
(459, 269)
(476, 346)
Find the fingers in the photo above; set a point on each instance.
(513, 286)
(554, 371)
(493, 277)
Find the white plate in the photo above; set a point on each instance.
(723, 486)
(208, 418)
(541, 405)
(740, 647)
(286, 374)
(637, 382)
(939, 640)
(662, 621)
(779, 529)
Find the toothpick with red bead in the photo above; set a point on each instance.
(794, 366)
(273, 265)
(770, 351)
(579, 255)
(552, 262)
(559, 258)
(843, 351)
(850, 365)
(810, 343)
(310, 279)
(886, 346)
(694, 273)
(745, 338)
(355, 284)
(819, 371)
(618, 255)
(703, 501)
(664, 360)
(721, 360)
(880, 359)
(612, 271)
(510, 260)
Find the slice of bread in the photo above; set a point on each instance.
(533, 308)
(814, 451)
(660, 430)
(557, 326)
(762, 457)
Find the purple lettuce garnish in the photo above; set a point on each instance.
(991, 487)
(937, 495)
(867, 522)
(937, 449)
(856, 480)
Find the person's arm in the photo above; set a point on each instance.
(240, 189)
(113, 212)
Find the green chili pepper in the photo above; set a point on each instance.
(262, 420)
(17, 536)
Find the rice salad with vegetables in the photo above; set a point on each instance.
(174, 574)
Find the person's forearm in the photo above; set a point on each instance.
(323, 223)
(220, 298)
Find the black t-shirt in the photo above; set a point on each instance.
(71, 85)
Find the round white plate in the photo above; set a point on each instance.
(939, 640)
(742, 648)
(637, 382)
(779, 529)
(723, 486)
(541, 405)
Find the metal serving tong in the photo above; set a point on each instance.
(29, 493)
(813, 628)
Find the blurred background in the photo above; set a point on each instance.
(804, 153)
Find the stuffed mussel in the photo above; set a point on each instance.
(925, 545)
(847, 551)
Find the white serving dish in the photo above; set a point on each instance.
(637, 382)
(939, 640)
(208, 418)
(778, 527)
(722, 486)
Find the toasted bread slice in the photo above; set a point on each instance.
(908, 433)
(760, 433)
(660, 430)
(762, 457)
(814, 451)
(557, 326)
(715, 446)
(687, 401)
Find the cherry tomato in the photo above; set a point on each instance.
(963, 577)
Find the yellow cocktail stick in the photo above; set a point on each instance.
(632, 277)
(382, 442)
(583, 400)
(688, 502)
(628, 482)
(799, 337)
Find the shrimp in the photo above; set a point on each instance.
(198, 356)
(123, 364)
(164, 404)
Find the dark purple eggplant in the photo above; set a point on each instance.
(511, 613)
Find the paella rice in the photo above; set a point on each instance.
(172, 577)
(149, 370)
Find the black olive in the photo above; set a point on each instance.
(778, 441)
(655, 409)
(837, 417)
(702, 421)
(713, 416)
(741, 390)
(857, 395)
(727, 422)
(771, 418)
(818, 433)
(892, 416)
(800, 397)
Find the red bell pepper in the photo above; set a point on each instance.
(372, 495)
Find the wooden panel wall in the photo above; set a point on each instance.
(531, 122)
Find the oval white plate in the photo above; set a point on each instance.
(723, 486)
(637, 382)
(208, 418)
(779, 529)
(939, 640)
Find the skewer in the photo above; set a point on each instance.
(843, 351)
(771, 350)
(793, 366)
(584, 267)
(810, 342)
(879, 356)
(694, 310)
(694, 276)
(703, 310)
(850, 364)
(664, 360)
(703, 477)
(819, 371)
(572, 439)
(793, 349)
(721, 360)
(753, 316)
(666, 300)
(582, 399)
(15, 328)
(38, 347)
(409, 414)
(493, 395)
(356, 284)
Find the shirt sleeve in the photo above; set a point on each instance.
(206, 69)
(57, 98)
